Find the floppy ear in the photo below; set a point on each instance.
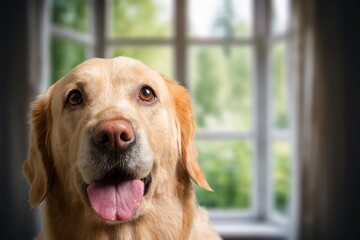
(38, 166)
(186, 121)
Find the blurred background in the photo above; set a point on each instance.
(275, 88)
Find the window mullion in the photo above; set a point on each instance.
(261, 31)
(99, 31)
(221, 41)
(180, 40)
(224, 135)
(72, 35)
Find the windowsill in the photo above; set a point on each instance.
(249, 230)
(246, 228)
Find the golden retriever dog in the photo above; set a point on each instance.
(112, 156)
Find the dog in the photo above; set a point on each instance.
(112, 156)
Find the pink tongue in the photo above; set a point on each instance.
(116, 202)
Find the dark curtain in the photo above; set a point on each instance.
(328, 90)
(20, 61)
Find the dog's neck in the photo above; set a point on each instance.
(70, 219)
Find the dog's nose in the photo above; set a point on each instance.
(114, 135)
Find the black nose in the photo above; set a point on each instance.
(114, 135)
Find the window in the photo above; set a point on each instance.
(233, 57)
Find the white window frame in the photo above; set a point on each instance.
(261, 220)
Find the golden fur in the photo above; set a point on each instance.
(57, 166)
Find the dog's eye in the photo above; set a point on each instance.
(74, 98)
(147, 94)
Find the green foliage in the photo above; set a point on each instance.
(158, 58)
(71, 14)
(64, 56)
(281, 114)
(281, 175)
(206, 85)
(221, 87)
(228, 167)
(140, 18)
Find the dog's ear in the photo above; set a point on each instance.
(38, 166)
(186, 121)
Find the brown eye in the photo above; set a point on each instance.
(146, 94)
(74, 98)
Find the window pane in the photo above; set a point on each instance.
(221, 87)
(280, 16)
(146, 18)
(158, 58)
(228, 167)
(279, 87)
(220, 18)
(71, 14)
(281, 175)
(64, 56)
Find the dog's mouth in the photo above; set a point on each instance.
(115, 198)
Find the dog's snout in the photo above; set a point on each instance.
(114, 135)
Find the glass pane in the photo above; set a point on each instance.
(158, 58)
(279, 87)
(280, 16)
(220, 18)
(64, 56)
(146, 18)
(72, 14)
(221, 87)
(281, 175)
(228, 168)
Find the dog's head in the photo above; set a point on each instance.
(116, 135)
